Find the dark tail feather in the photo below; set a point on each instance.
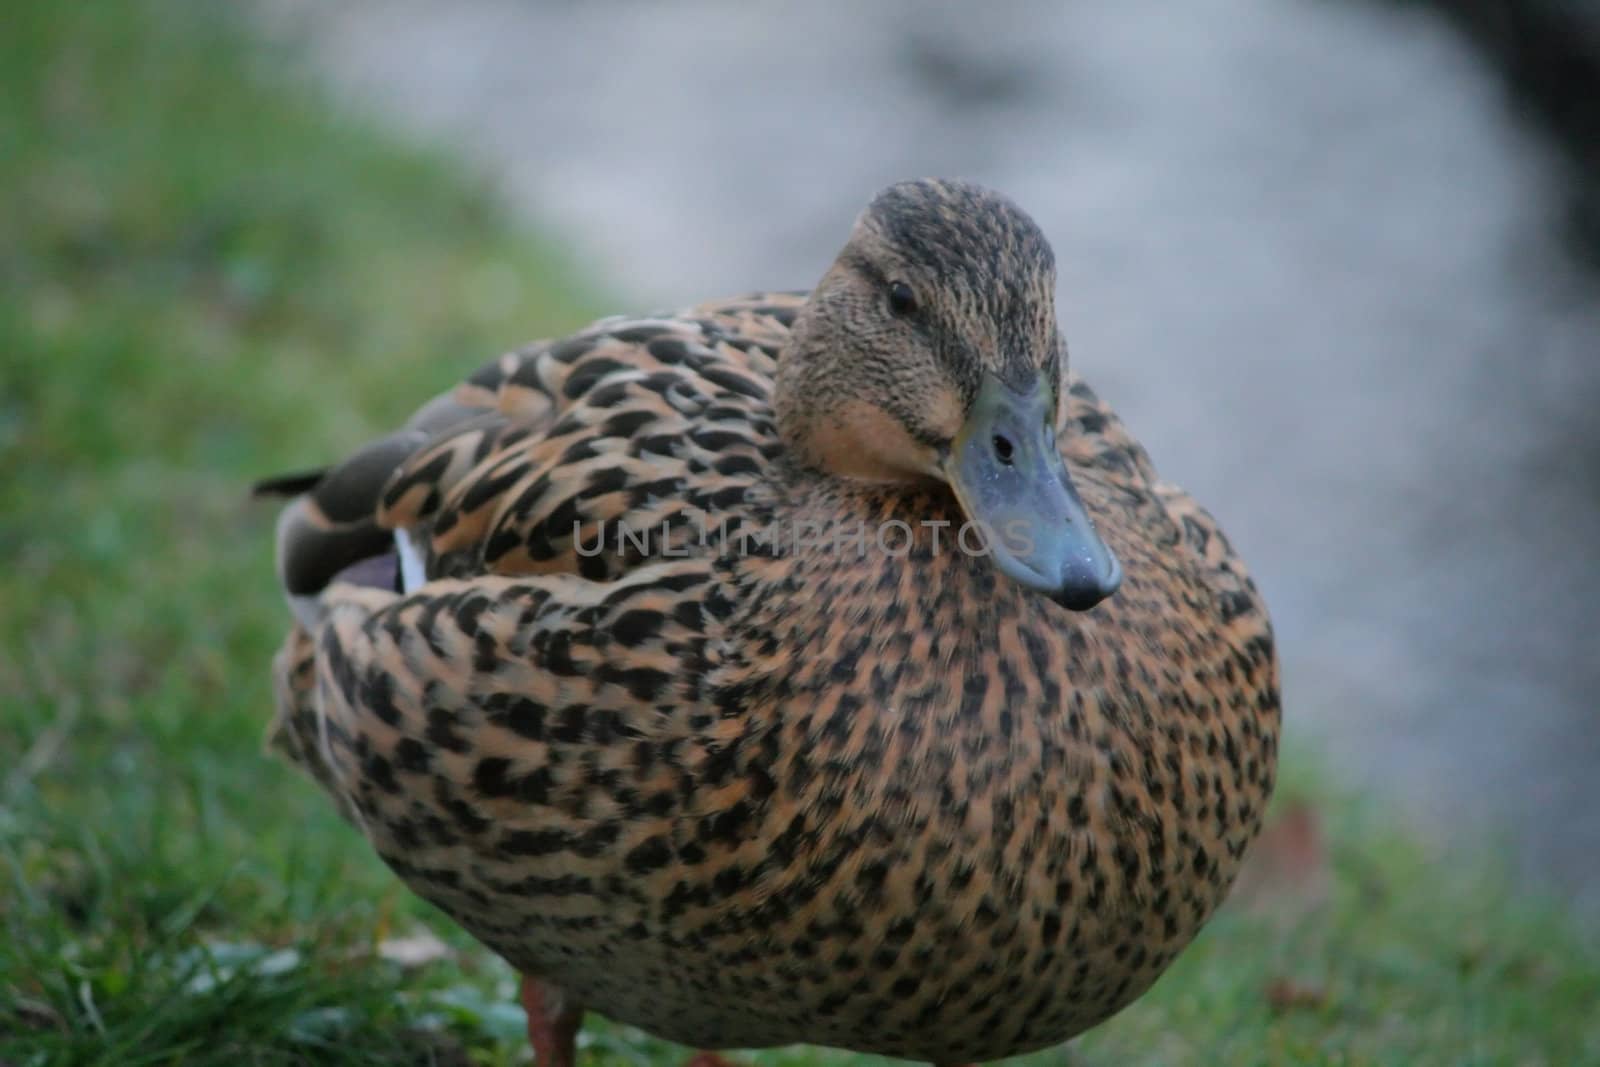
(289, 484)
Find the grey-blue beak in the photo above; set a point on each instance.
(1009, 477)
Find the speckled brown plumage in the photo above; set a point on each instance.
(740, 790)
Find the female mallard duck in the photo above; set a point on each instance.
(666, 659)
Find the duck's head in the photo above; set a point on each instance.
(929, 350)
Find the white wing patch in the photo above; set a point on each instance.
(413, 572)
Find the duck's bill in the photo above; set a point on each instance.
(1010, 479)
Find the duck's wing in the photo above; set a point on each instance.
(1175, 542)
(631, 440)
(658, 431)
(517, 698)
(1093, 439)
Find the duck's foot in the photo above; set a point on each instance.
(552, 1023)
(707, 1059)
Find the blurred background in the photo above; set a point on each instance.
(1336, 262)
(1327, 258)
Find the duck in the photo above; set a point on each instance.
(823, 667)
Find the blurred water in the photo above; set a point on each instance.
(1303, 248)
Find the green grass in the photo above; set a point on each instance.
(209, 275)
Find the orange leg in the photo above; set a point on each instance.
(552, 1023)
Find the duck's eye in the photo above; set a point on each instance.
(902, 301)
(1003, 449)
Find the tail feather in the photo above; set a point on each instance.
(292, 484)
(330, 529)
